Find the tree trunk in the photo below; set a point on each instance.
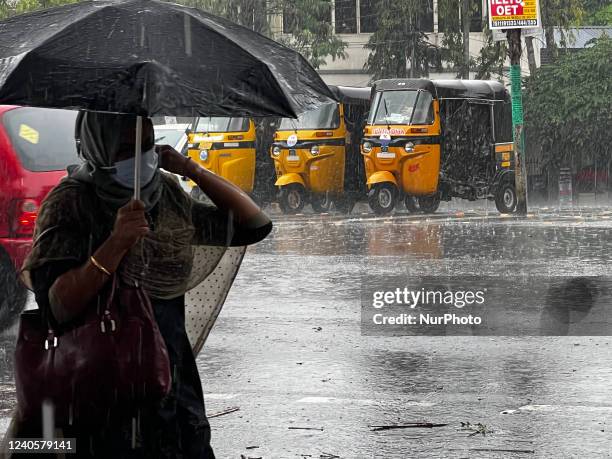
(465, 22)
(530, 55)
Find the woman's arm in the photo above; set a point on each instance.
(72, 291)
(224, 194)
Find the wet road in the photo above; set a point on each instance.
(288, 349)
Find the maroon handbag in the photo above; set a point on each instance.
(114, 357)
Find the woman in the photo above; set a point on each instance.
(89, 227)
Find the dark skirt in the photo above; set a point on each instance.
(174, 428)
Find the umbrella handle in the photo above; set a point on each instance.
(137, 158)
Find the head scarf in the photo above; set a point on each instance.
(99, 139)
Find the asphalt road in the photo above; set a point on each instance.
(289, 352)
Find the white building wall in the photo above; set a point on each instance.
(350, 71)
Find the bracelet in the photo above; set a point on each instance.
(99, 266)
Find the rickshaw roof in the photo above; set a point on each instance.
(448, 89)
(352, 94)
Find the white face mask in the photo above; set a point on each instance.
(125, 169)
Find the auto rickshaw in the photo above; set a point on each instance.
(432, 140)
(225, 146)
(317, 157)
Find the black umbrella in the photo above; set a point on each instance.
(148, 58)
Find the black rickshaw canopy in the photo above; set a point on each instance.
(488, 90)
(352, 95)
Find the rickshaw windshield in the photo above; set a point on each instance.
(222, 124)
(401, 107)
(325, 117)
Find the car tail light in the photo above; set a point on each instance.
(24, 217)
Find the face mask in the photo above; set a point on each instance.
(125, 169)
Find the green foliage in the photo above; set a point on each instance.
(600, 17)
(252, 14)
(490, 60)
(310, 21)
(13, 7)
(560, 14)
(567, 106)
(399, 42)
(311, 31)
(489, 63)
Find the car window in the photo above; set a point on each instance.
(43, 138)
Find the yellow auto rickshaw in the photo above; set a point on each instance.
(316, 157)
(225, 146)
(432, 140)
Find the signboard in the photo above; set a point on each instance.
(513, 14)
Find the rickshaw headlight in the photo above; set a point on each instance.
(314, 150)
(367, 147)
(409, 147)
(203, 155)
(276, 151)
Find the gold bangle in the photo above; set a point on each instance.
(99, 266)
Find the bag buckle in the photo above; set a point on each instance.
(47, 342)
(108, 317)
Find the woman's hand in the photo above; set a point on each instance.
(171, 160)
(130, 225)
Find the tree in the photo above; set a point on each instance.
(560, 15)
(399, 48)
(252, 14)
(490, 60)
(309, 31)
(309, 21)
(308, 28)
(12, 7)
(567, 107)
(597, 13)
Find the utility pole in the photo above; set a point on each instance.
(465, 22)
(520, 171)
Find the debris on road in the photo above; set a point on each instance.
(411, 425)
(222, 413)
(475, 429)
(306, 428)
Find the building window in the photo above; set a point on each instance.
(291, 19)
(426, 21)
(346, 16)
(453, 24)
(367, 16)
(476, 23)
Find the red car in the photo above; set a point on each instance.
(36, 146)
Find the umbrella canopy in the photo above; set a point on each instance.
(148, 58)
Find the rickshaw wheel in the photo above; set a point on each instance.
(429, 204)
(382, 197)
(291, 198)
(505, 198)
(411, 204)
(321, 202)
